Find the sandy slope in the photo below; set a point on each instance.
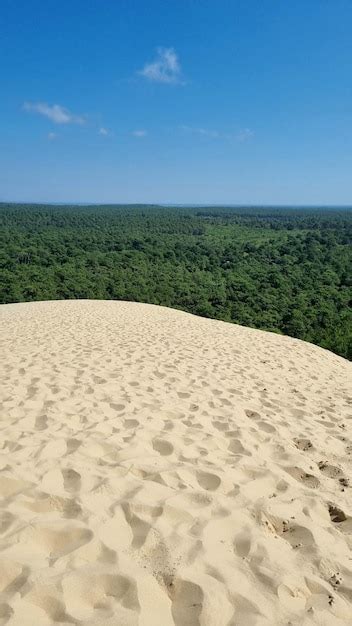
(159, 468)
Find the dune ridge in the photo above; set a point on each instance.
(161, 468)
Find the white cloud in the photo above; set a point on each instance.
(208, 133)
(139, 133)
(245, 134)
(103, 131)
(55, 112)
(164, 69)
(213, 134)
(52, 136)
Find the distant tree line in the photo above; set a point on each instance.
(283, 270)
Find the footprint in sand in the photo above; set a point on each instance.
(131, 423)
(12, 576)
(55, 540)
(221, 425)
(208, 481)
(140, 528)
(336, 515)
(302, 444)
(253, 415)
(41, 423)
(332, 471)
(266, 427)
(6, 612)
(72, 445)
(92, 591)
(242, 544)
(163, 447)
(54, 608)
(301, 476)
(187, 602)
(6, 519)
(297, 536)
(236, 447)
(117, 407)
(72, 480)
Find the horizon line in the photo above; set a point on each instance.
(183, 204)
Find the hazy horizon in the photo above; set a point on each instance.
(242, 205)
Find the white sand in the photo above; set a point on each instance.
(163, 469)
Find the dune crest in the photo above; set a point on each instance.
(161, 468)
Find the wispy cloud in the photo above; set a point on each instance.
(213, 134)
(165, 68)
(245, 134)
(55, 112)
(103, 131)
(52, 136)
(139, 133)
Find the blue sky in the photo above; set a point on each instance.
(180, 101)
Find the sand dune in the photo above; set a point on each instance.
(162, 469)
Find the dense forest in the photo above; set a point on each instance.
(283, 270)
